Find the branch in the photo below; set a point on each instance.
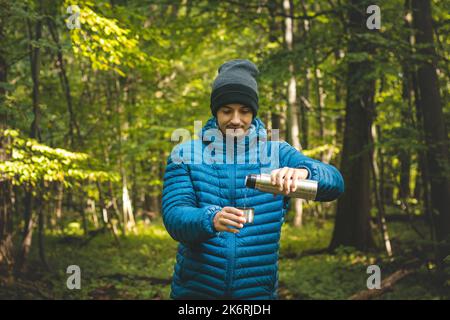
(389, 282)
(386, 285)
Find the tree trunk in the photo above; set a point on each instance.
(41, 232)
(93, 211)
(385, 186)
(305, 105)
(6, 207)
(122, 125)
(35, 63)
(59, 202)
(65, 84)
(388, 181)
(352, 226)
(422, 181)
(275, 119)
(6, 193)
(337, 97)
(274, 35)
(406, 115)
(127, 209)
(293, 107)
(27, 231)
(106, 221)
(82, 210)
(320, 98)
(436, 136)
(115, 205)
(6, 225)
(377, 175)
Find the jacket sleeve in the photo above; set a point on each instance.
(183, 219)
(331, 183)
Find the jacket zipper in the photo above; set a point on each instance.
(233, 236)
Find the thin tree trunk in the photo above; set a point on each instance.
(6, 227)
(59, 202)
(41, 230)
(92, 209)
(103, 211)
(388, 183)
(275, 114)
(106, 221)
(65, 84)
(305, 105)
(127, 208)
(6, 219)
(82, 210)
(320, 96)
(293, 107)
(274, 34)
(27, 232)
(406, 114)
(135, 189)
(379, 159)
(436, 136)
(115, 205)
(276, 120)
(35, 63)
(6, 192)
(423, 181)
(337, 97)
(352, 224)
(377, 175)
(122, 125)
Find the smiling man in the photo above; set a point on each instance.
(219, 256)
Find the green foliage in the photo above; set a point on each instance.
(137, 70)
(32, 162)
(109, 271)
(305, 275)
(104, 42)
(142, 265)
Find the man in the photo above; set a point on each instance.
(219, 256)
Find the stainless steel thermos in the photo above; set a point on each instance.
(306, 189)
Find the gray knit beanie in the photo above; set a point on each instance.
(235, 83)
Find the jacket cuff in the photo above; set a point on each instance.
(313, 173)
(307, 169)
(207, 222)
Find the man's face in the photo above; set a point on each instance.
(234, 119)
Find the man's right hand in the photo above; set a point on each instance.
(229, 216)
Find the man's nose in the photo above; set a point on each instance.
(236, 120)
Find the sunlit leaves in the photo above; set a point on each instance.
(316, 151)
(32, 162)
(106, 44)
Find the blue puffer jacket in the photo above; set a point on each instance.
(223, 265)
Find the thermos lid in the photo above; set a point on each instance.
(250, 181)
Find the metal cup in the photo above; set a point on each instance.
(249, 214)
